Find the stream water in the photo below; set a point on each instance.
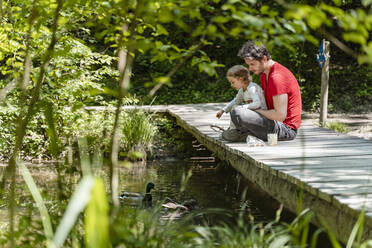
(211, 184)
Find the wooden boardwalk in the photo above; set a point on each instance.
(334, 171)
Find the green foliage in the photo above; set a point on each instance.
(48, 230)
(96, 218)
(251, 234)
(141, 228)
(76, 205)
(94, 126)
(338, 126)
(6, 130)
(35, 143)
(295, 52)
(169, 35)
(137, 129)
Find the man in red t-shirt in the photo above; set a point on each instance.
(282, 94)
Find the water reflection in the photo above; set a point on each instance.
(210, 185)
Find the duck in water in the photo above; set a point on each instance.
(175, 211)
(185, 206)
(136, 198)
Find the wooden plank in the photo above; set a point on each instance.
(343, 190)
(356, 201)
(326, 139)
(331, 175)
(282, 152)
(320, 162)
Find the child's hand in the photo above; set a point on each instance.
(219, 114)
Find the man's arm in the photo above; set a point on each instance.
(280, 108)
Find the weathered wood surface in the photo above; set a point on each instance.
(333, 170)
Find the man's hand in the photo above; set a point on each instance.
(279, 112)
(219, 114)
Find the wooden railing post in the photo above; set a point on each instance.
(324, 85)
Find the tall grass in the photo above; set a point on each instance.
(137, 129)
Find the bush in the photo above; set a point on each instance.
(136, 127)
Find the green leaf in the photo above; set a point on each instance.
(161, 30)
(316, 19)
(249, 19)
(84, 156)
(337, 2)
(289, 27)
(51, 130)
(185, 179)
(163, 80)
(312, 39)
(331, 236)
(357, 230)
(165, 16)
(314, 238)
(355, 37)
(280, 241)
(366, 2)
(45, 218)
(212, 29)
(207, 68)
(125, 164)
(220, 19)
(77, 204)
(366, 244)
(106, 5)
(96, 218)
(77, 106)
(110, 92)
(135, 155)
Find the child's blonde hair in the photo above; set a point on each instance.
(239, 71)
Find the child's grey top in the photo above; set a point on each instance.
(253, 93)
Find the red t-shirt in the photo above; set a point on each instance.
(282, 81)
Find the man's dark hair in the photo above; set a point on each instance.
(252, 51)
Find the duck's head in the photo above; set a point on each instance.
(149, 187)
(190, 204)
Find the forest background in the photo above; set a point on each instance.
(165, 52)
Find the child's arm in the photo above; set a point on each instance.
(219, 114)
(254, 94)
(239, 98)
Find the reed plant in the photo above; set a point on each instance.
(138, 130)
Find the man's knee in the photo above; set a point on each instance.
(241, 113)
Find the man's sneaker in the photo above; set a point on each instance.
(233, 135)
